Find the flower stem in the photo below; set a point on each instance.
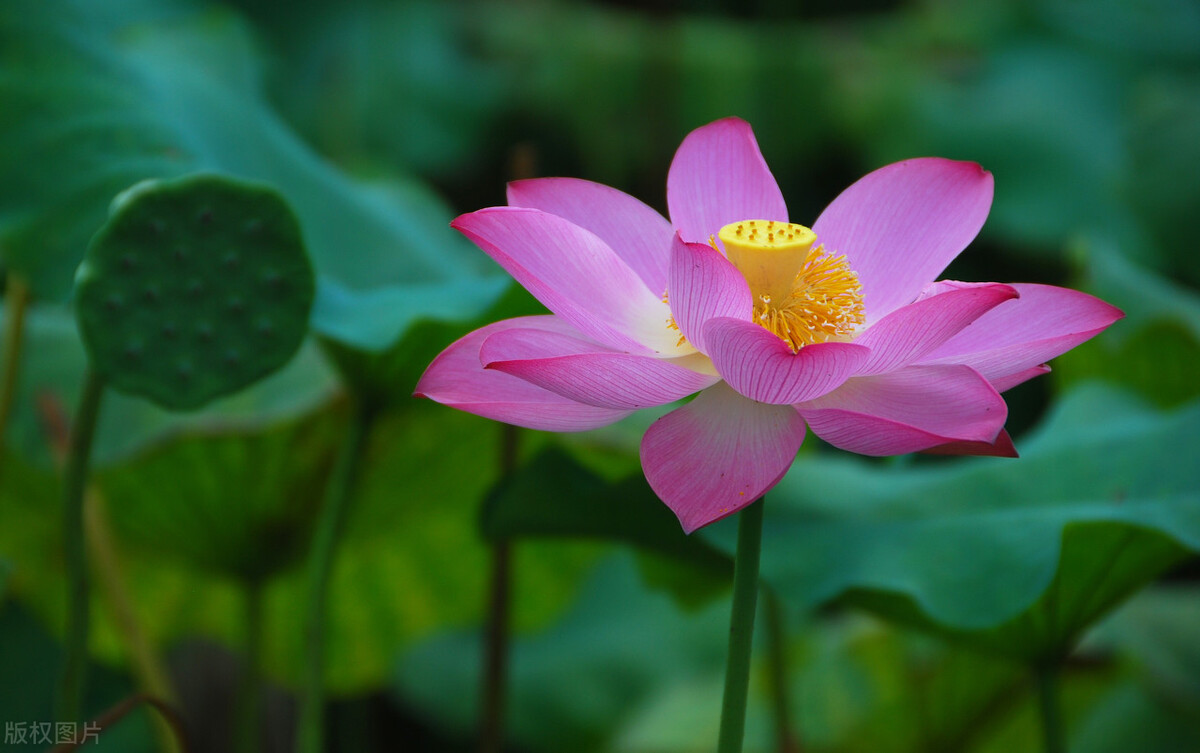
(16, 301)
(785, 736)
(741, 628)
(70, 699)
(311, 732)
(1047, 678)
(248, 714)
(495, 668)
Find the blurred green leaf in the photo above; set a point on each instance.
(5, 573)
(210, 501)
(642, 676)
(399, 82)
(1157, 631)
(1155, 29)
(1156, 349)
(1012, 556)
(553, 495)
(411, 560)
(1044, 119)
(53, 362)
(572, 684)
(27, 687)
(1129, 718)
(1164, 140)
(87, 110)
(856, 687)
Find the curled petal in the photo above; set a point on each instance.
(634, 231)
(457, 378)
(719, 176)
(719, 453)
(1008, 381)
(703, 286)
(575, 275)
(607, 379)
(1044, 322)
(1003, 447)
(911, 409)
(902, 224)
(762, 367)
(910, 332)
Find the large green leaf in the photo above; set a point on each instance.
(197, 517)
(89, 106)
(626, 671)
(1013, 556)
(52, 366)
(359, 73)
(572, 684)
(1131, 718)
(1156, 348)
(1157, 630)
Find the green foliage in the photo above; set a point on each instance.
(1015, 557)
(573, 683)
(191, 538)
(99, 99)
(552, 495)
(1084, 111)
(27, 675)
(5, 573)
(194, 288)
(54, 359)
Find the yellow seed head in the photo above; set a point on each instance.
(801, 294)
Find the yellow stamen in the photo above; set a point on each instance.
(801, 294)
(671, 322)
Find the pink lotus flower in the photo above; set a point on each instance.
(777, 326)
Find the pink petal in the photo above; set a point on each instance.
(704, 285)
(902, 224)
(1001, 448)
(457, 379)
(719, 453)
(637, 233)
(912, 331)
(1046, 321)
(719, 176)
(575, 275)
(1008, 381)
(607, 379)
(911, 409)
(762, 367)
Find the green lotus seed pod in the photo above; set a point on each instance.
(194, 288)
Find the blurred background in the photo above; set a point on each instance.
(911, 596)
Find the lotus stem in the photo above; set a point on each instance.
(248, 715)
(70, 700)
(1046, 677)
(311, 732)
(496, 636)
(741, 628)
(16, 301)
(785, 736)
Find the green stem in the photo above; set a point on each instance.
(741, 628)
(248, 714)
(70, 699)
(495, 670)
(311, 732)
(16, 301)
(495, 667)
(1053, 734)
(785, 737)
